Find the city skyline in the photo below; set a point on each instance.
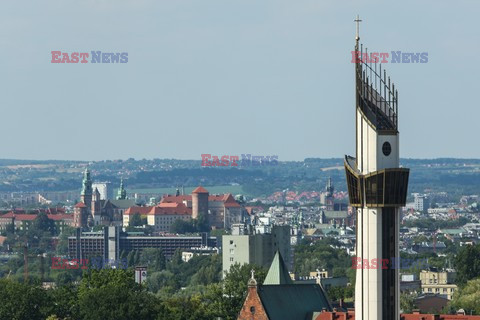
(244, 76)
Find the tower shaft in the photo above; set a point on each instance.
(377, 188)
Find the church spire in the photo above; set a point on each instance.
(86, 183)
(122, 193)
(357, 34)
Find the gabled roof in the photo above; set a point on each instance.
(25, 217)
(123, 203)
(8, 215)
(136, 209)
(278, 272)
(230, 201)
(200, 189)
(181, 198)
(216, 197)
(80, 205)
(170, 208)
(292, 301)
(227, 199)
(107, 204)
(253, 209)
(168, 204)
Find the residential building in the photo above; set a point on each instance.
(421, 203)
(438, 282)
(162, 217)
(22, 221)
(415, 315)
(256, 248)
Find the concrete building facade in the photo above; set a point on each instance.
(258, 249)
(377, 188)
(438, 282)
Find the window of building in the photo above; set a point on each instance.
(231, 259)
(252, 309)
(386, 148)
(429, 289)
(231, 241)
(232, 251)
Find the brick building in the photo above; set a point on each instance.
(22, 220)
(280, 298)
(219, 210)
(350, 315)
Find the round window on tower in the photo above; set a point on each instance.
(386, 148)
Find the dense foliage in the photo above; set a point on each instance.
(324, 254)
(467, 263)
(113, 294)
(467, 298)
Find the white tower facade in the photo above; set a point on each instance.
(377, 188)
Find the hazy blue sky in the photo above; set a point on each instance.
(230, 77)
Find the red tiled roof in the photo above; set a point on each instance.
(137, 209)
(167, 208)
(232, 205)
(170, 198)
(8, 215)
(168, 204)
(21, 217)
(80, 205)
(25, 217)
(350, 315)
(230, 202)
(200, 189)
(227, 199)
(216, 197)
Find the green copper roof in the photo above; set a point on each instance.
(292, 301)
(121, 193)
(278, 272)
(86, 183)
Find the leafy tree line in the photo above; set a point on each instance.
(325, 254)
(321, 254)
(113, 294)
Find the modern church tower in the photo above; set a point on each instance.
(377, 187)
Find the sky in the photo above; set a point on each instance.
(270, 77)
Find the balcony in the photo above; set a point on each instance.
(382, 188)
